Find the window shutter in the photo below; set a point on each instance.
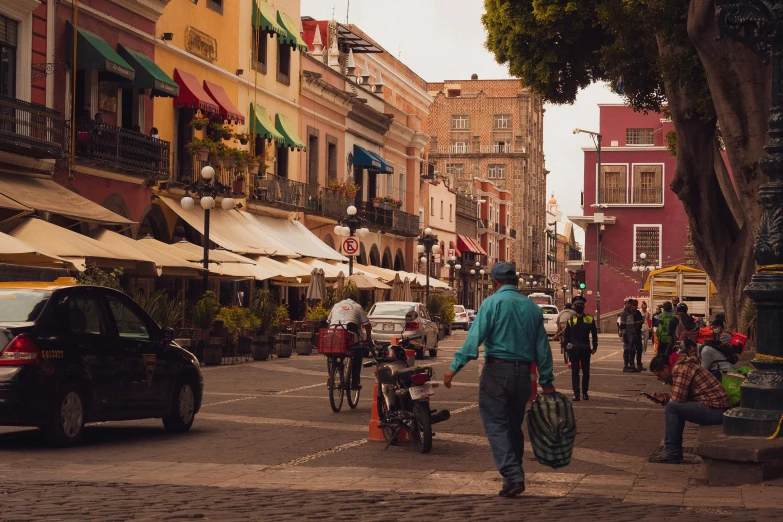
(8, 31)
(648, 184)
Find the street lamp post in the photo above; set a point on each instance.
(597, 137)
(350, 226)
(428, 245)
(207, 189)
(479, 273)
(532, 282)
(642, 265)
(453, 266)
(564, 288)
(760, 26)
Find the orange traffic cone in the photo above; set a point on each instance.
(375, 434)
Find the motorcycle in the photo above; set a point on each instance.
(403, 397)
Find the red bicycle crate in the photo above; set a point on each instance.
(334, 341)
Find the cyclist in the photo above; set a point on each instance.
(350, 315)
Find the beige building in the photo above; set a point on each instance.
(493, 130)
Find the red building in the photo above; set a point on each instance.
(641, 215)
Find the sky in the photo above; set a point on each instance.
(444, 40)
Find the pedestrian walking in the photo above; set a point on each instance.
(646, 321)
(511, 328)
(655, 320)
(576, 340)
(628, 335)
(637, 339)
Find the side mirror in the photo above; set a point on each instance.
(168, 334)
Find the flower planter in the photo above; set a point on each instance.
(304, 343)
(228, 163)
(243, 141)
(213, 351)
(198, 126)
(240, 186)
(227, 135)
(252, 168)
(259, 347)
(203, 154)
(283, 346)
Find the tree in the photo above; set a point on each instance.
(662, 55)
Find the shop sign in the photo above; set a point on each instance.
(200, 44)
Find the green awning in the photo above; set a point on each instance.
(264, 18)
(93, 53)
(148, 74)
(291, 37)
(286, 128)
(261, 125)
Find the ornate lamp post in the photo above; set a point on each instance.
(759, 24)
(350, 226)
(207, 189)
(532, 282)
(642, 265)
(453, 266)
(564, 288)
(479, 273)
(428, 245)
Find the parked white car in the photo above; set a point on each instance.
(403, 319)
(550, 318)
(461, 319)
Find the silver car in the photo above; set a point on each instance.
(461, 319)
(404, 319)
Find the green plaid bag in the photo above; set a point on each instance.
(552, 429)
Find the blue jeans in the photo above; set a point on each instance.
(503, 394)
(678, 413)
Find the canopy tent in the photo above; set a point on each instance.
(295, 236)
(384, 274)
(227, 266)
(81, 250)
(681, 269)
(16, 252)
(45, 195)
(10, 209)
(230, 230)
(363, 282)
(330, 270)
(167, 264)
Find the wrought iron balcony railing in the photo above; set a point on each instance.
(122, 149)
(31, 130)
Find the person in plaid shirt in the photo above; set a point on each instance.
(696, 396)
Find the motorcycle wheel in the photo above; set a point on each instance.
(336, 388)
(388, 431)
(353, 395)
(422, 427)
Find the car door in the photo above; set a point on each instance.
(426, 326)
(142, 350)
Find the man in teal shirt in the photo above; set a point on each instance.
(511, 328)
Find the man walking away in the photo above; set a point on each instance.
(577, 341)
(511, 328)
(696, 397)
(662, 331)
(638, 320)
(628, 330)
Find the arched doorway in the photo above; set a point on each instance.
(362, 259)
(375, 256)
(153, 223)
(183, 231)
(117, 204)
(387, 258)
(399, 261)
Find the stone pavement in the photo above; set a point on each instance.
(266, 446)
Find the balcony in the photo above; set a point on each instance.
(483, 225)
(106, 146)
(283, 193)
(395, 221)
(497, 228)
(467, 148)
(31, 130)
(503, 229)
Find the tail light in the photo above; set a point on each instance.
(419, 378)
(412, 321)
(412, 326)
(463, 315)
(21, 350)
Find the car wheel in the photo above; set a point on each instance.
(182, 411)
(420, 351)
(66, 427)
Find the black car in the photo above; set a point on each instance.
(71, 354)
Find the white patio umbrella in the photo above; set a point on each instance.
(407, 295)
(396, 291)
(317, 288)
(338, 286)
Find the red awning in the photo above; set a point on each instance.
(191, 94)
(228, 110)
(466, 244)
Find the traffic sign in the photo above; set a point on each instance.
(350, 246)
(554, 278)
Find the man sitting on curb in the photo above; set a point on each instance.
(696, 397)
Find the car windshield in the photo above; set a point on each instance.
(397, 309)
(551, 310)
(459, 309)
(21, 305)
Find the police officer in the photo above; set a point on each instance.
(577, 341)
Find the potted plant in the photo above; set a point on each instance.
(243, 137)
(265, 310)
(201, 147)
(283, 342)
(198, 121)
(253, 164)
(240, 184)
(204, 314)
(221, 130)
(351, 189)
(237, 319)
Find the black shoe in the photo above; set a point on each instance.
(635, 370)
(576, 397)
(627, 369)
(665, 458)
(641, 368)
(512, 490)
(585, 396)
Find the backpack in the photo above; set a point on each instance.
(663, 328)
(689, 331)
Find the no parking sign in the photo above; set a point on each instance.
(350, 246)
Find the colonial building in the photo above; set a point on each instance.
(439, 213)
(562, 249)
(493, 130)
(638, 214)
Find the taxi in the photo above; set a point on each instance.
(72, 354)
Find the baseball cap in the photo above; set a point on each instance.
(579, 299)
(627, 300)
(503, 271)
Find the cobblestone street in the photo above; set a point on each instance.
(266, 446)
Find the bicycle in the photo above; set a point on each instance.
(338, 346)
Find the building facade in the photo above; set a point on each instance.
(639, 214)
(439, 204)
(493, 130)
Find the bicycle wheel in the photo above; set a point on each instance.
(383, 414)
(353, 395)
(336, 386)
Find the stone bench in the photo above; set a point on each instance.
(734, 461)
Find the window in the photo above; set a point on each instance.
(639, 137)
(402, 186)
(129, 325)
(459, 147)
(496, 171)
(453, 93)
(502, 121)
(451, 212)
(460, 122)
(283, 63)
(331, 157)
(432, 206)
(441, 209)
(312, 157)
(215, 5)
(455, 169)
(281, 161)
(78, 314)
(8, 36)
(614, 184)
(260, 50)
(501, 146)
(491, 252)
(647, 240)
(648, 184)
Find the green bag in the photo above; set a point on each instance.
(552, 429)
(732, 381)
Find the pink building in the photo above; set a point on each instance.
(641, 215)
